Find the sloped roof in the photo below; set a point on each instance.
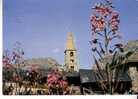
(92, 76)
(123, 76)
(87, 75)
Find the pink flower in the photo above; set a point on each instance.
(97, 23)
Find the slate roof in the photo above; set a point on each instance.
(87, 75)
(124, 77)
(92, 76)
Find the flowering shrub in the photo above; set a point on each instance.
(55, 81)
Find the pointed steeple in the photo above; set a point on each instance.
(71, 54)
(70, 42)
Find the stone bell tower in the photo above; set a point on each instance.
(71, 55)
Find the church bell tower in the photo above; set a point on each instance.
(70, 55)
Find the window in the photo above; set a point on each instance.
(72, 67)
(72, 61)
(71, 54)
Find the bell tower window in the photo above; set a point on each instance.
(71, 54)
(72, 61)
(72, 67)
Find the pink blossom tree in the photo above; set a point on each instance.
(56, 82)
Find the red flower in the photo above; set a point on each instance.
(97, 23)
(114, 21)
(103, 10)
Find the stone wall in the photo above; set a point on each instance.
(133, 72)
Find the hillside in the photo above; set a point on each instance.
(42, 63)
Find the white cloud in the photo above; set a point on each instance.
(56, 50)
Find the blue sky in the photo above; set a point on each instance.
(42, 26)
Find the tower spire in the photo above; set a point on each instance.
(70, 42)
(70, 54)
